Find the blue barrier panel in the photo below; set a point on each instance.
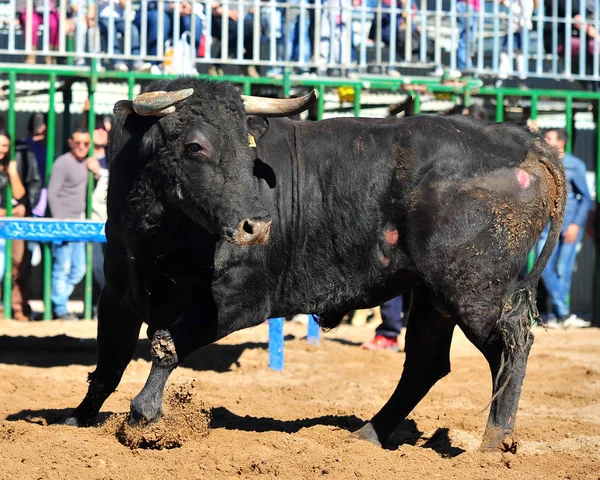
(313, 331)
(52, 230)
(276, 343)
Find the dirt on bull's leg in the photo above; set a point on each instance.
(186, 418)
(147, 406)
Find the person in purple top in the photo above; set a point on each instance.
(67, 190)
(559, 269)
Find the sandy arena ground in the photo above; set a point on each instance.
(293, 424)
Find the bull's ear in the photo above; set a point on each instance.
(123, 108)
(257, 126)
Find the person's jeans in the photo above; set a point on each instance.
(104, 22)
(68, 269)
(185, 23)
(391, 314)
(558, 272)
(465, 25)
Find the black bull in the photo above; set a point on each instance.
(208, 235)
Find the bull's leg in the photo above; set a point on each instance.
(427, 346)
(194, 329)
(507, 381)
(118, 331)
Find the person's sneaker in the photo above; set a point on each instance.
(251, 71)
(20, 317)
(67, 317)
(382, 343)
(352, 74)
(576, 322)
(141, 66)
(121, 67)
(274, 72)
(155, 70)
(452, 74)
(393, 72)
(553, 323)
(438, 72)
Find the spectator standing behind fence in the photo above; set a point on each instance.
(29, 174)
(577, 27)
(401, 33)
(520, 16)
(8, 174)
(559, 270)
(98, 165)
(288, 40)
(37, 20)
(466, 12)
(66, 201)
(234, 17)
(336, 36)
(83, 24)
(115, 9)
(386, 334)
(186, 16)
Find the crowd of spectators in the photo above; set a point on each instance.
(64, 197)
(156, 32)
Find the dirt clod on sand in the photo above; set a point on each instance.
(185, 417)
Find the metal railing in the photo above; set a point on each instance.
(415, 86)
(500, 37)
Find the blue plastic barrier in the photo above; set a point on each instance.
(51, 230)
(276, 339)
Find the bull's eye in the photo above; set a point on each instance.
(194, 147)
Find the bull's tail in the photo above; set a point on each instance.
(520, 311)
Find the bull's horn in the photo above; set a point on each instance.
(278, 107)
(159, 103)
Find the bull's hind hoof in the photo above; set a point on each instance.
(368, 433)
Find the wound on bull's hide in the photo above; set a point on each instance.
(391, 235)
(523, 178)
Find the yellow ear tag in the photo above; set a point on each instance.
(251, 141)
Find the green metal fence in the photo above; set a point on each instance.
(466, 90)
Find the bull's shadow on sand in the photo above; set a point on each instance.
(221, 417)
(63, 350)
(49, 416)
(406, 434)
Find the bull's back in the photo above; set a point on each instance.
(361, 199)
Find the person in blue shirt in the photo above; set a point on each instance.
(559, 270)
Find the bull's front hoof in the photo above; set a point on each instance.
(367, 432)
(78, 420)
(71, 422)
(144, 413)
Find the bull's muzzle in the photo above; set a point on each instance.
(250, 232)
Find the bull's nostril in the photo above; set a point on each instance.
(248, 227)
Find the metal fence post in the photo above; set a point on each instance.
(50, 145)
(596, 282)
(87, 306)
(12, 130)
